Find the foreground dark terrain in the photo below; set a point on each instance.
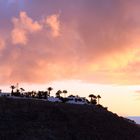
(22, 119)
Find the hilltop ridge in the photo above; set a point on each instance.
(41, 120)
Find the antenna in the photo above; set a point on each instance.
(17, 86)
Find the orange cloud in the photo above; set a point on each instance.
(22, 27)
(92, 43)
(54, 23)
(2, 43)
(19, 36)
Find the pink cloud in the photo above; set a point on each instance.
(54, 24)
(19, 36)
(2, 43)
(22, 27)
(91, 42)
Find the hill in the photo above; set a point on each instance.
(24, 119)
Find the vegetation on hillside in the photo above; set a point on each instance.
(60, 94)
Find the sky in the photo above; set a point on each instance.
(84, 46)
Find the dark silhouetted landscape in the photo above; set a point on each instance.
(28, 119)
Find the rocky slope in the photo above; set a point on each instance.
(38, 120)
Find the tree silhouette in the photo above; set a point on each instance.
(49, 90)
(58, 93)
(39, 94)
(92, 99)
(33, 94)
(22, 89)
(98, 98)
(17, 93)
(45, 93)
(12, 87)
(92, 96)
(65, 92)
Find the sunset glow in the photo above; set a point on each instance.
(84, 46)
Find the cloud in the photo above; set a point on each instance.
(19, 36)
(54, 24)
(2, 44)
(93, 41)
(11, 1)
(22, 27)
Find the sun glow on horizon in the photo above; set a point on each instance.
(116, 97)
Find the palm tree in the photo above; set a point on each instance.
(12, 87)
(93, 99)
(45, 93)
(65, 92)
(92, 96)
(58, 93)
(98, 98)
(22, 90)
(17, 93)
(49, 90)
(39, 94)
